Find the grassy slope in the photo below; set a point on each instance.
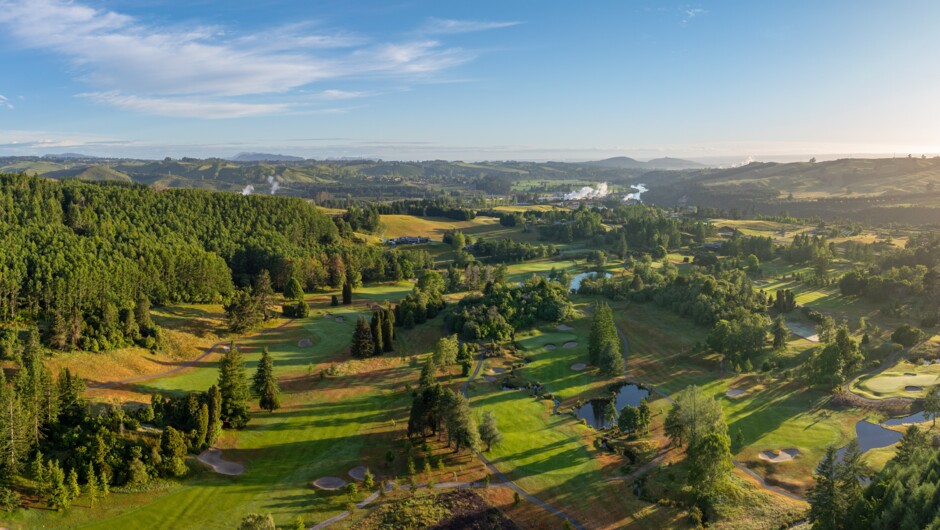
(325, 428)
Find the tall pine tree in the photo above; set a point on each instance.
(362, 346)
(233, 388)
(603, 332)
(264, 372)
(388, 330)
(375, 326)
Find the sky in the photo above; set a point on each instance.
(483, 80)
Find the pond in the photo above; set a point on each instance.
(872, 436)
(917, 417)
(602, 413)
(578, 278)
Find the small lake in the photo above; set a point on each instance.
(872, 436)
(578, 278)
(598, 412)
(917, 417)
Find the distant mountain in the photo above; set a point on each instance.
(625, 162)
(618, 162)
(265, 157)
(68, 155)
(673, 163)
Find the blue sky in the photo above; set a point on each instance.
(469, 80)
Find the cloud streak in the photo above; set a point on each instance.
(200, 72)
(444, 26)
(4, 102)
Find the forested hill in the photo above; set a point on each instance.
(904, 190)
(77, 257)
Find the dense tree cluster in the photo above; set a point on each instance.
(830, 364)
(501, 309)
(739, 340)
(902, 495)
(506, 250)
(81, 256)
(697, 422)
(435, 409)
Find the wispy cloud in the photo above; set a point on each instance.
(445, 26)
(688, 13)
(201, 71)
(186, 107)
(4, 102)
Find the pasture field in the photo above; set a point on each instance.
(434, 228)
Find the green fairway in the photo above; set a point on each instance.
(895, 382)
(549, 455)
(326, 427)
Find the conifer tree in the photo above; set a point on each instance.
(233, 388)
(270, 399)
(214, 404)
(489, 431)
(603, 331)
(264, 372)
(58, 490)
(361, 346)
(388, 329)
(91, 485)
(347, 293)
(293, 290)
(263, 293)
(780, 332)
(427, 373)
(376, 328)
(15, 429)
(74, 490)
(202, 426)
(611, 360)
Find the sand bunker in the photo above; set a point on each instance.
(912, 388)
(341, 319)
(577, 367)
(909, 374)
(329, 483)
(570, 345)
(328, 315)
(564, 327)
(734, 392)
(212, 457)
(303, 343)
(784, 455)
(550, 347)
(358, 472)
(498, 371)
(489, 378)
